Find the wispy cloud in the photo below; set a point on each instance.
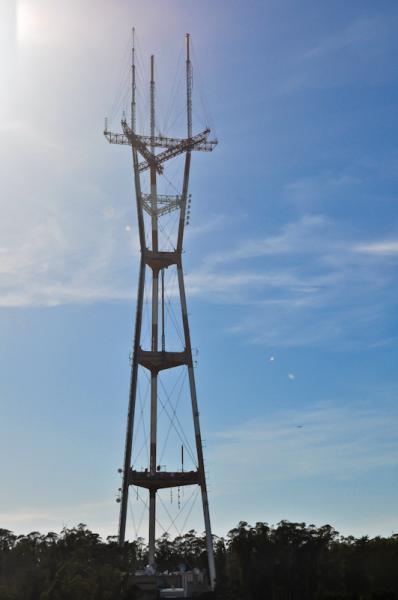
(294, 236)
(216, 223)
(306, 284)
(303, 284)
(321, 440)
(61, 238)
(354, 51)
(306, 191)
(48, 263)
(381, 248)
(359, 33)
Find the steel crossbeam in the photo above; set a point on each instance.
(184, 146)
(158, 141)
(165, 204)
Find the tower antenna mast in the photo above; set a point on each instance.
(150, 154)
(189, 84)
(133, 106)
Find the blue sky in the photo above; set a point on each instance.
(291, 258)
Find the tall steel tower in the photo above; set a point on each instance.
(150, 153)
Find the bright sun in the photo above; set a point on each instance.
(30, 23)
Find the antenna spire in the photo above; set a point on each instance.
(189, 85)
(133, 84)
(152, 94)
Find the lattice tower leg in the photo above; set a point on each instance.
(131, 406)
(198, 437)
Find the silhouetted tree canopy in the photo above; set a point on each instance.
(289, 561)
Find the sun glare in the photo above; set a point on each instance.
(29, 23)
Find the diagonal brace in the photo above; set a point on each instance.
(136, 142)
(184, 146)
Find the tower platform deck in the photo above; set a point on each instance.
(163, 479)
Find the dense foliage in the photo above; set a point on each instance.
(291, 561)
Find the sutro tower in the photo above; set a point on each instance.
(150, 154)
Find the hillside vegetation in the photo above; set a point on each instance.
(291, 561)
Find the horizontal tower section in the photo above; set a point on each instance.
(156, 361)
(160, 259)
(163, 479)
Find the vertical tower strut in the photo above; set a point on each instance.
(155, 314)
(157, 260)
(137, 334)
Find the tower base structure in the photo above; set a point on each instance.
(178, 584)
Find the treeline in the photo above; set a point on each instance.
(290, 561)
